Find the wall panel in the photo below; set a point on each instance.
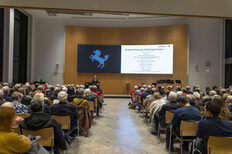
(116, 83)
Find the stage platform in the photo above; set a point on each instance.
(116, 96)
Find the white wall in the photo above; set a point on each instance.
(204, 45)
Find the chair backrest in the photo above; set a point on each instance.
(91, 105)
(202, 113)
(148, 106)
(168, 116)
(24, 115)
(219, 145)
(201, 108)
(65, 121)
(47, 135)
(188, 128)
(32, 86)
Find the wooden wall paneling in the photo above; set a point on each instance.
(116, 83)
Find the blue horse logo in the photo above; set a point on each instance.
(96, 56)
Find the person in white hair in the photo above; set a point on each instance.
(64, 89)
(63, 108)
(197, 97)
(179, 93)
(40, 96)
(171, 106)
(1, 97)
(77, 86)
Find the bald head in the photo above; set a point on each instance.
(7, 104)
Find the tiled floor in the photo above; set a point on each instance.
(118, 130)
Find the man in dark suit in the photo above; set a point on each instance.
(95, 80)
(64, 109)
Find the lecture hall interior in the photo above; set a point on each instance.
(116, 77)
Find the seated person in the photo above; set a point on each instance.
(18, 119)
(229, 102)
(40, 96)
(212, 125)
(7, 95)
(192, 101)
(149, 98)
(171, 106)
(1, 97)
(88, 96)
(185, 113)
(80, 101)
(38, 120)
(147, 92)
(225, 111)
(26, 99)
(64, 109)
(197, 96)
(19, 107)
(71, 94)
(11, 142)
(155, 107)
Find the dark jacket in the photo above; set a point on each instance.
(8, 98)
(39, 120)
(64, 109)
(171, 106)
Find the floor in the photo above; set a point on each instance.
(118, 130)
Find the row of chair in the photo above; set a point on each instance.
(216, 145)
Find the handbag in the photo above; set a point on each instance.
(36, 148)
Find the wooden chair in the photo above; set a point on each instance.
(65, 122)
(32, 86)
(148, 106)
(201, 108)
(219, 145)
(47, 136)
(92, 108)
(24, 115)
(168, 118)
(202, 113)
(187, 132)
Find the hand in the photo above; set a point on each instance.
(25, 138)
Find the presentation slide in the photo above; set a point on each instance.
(147, 59)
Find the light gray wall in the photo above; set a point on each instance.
(204, 44)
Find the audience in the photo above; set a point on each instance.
(185, 113)
(19, 107)
(1, 97)
(7, 95)
(38, 120)
(64, 109)
(155, 108)
(212, 125)
(80, 101)
(171, 106)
